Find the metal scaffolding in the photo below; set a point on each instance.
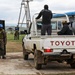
(25, 19)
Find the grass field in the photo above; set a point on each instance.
(14, 45)
(10, 37)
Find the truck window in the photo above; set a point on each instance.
(59, 25)
(71, 18)
(39, 25)
(54, 25)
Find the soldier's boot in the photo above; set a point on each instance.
(3, 57)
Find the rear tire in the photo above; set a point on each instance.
(25, 54)
(73, 65)
(37, 66)
(25, 57)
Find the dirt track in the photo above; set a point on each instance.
(14, 65)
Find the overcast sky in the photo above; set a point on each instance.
(9, 9)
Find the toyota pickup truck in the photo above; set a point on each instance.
(49, 48)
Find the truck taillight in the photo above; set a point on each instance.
(48, 50)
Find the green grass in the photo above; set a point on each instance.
(10, 37)
(14, 45)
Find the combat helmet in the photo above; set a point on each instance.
(1, 26)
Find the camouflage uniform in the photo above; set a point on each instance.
(16, 35)
(3, 41)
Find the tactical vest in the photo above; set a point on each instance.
(1, 34)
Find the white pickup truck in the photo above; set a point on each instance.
(49, 48)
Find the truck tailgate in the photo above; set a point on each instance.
(59, 42)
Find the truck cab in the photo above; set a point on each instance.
(49, 48)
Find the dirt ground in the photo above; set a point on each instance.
(14, 47)
(14, 64)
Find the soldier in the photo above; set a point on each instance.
(65, 30)
(16, 34)
(3, 40)
(46, 15)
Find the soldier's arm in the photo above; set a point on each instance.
(5, 38)
(51, 15)
(39, 15)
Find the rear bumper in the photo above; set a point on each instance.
(56, 54)
(59, 56)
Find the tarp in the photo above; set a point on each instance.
(62, 15)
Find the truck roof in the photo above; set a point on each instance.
(62, 15)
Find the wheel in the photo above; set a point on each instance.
(73, 65)
(25, 54)
(25, 57)
(37, 66)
